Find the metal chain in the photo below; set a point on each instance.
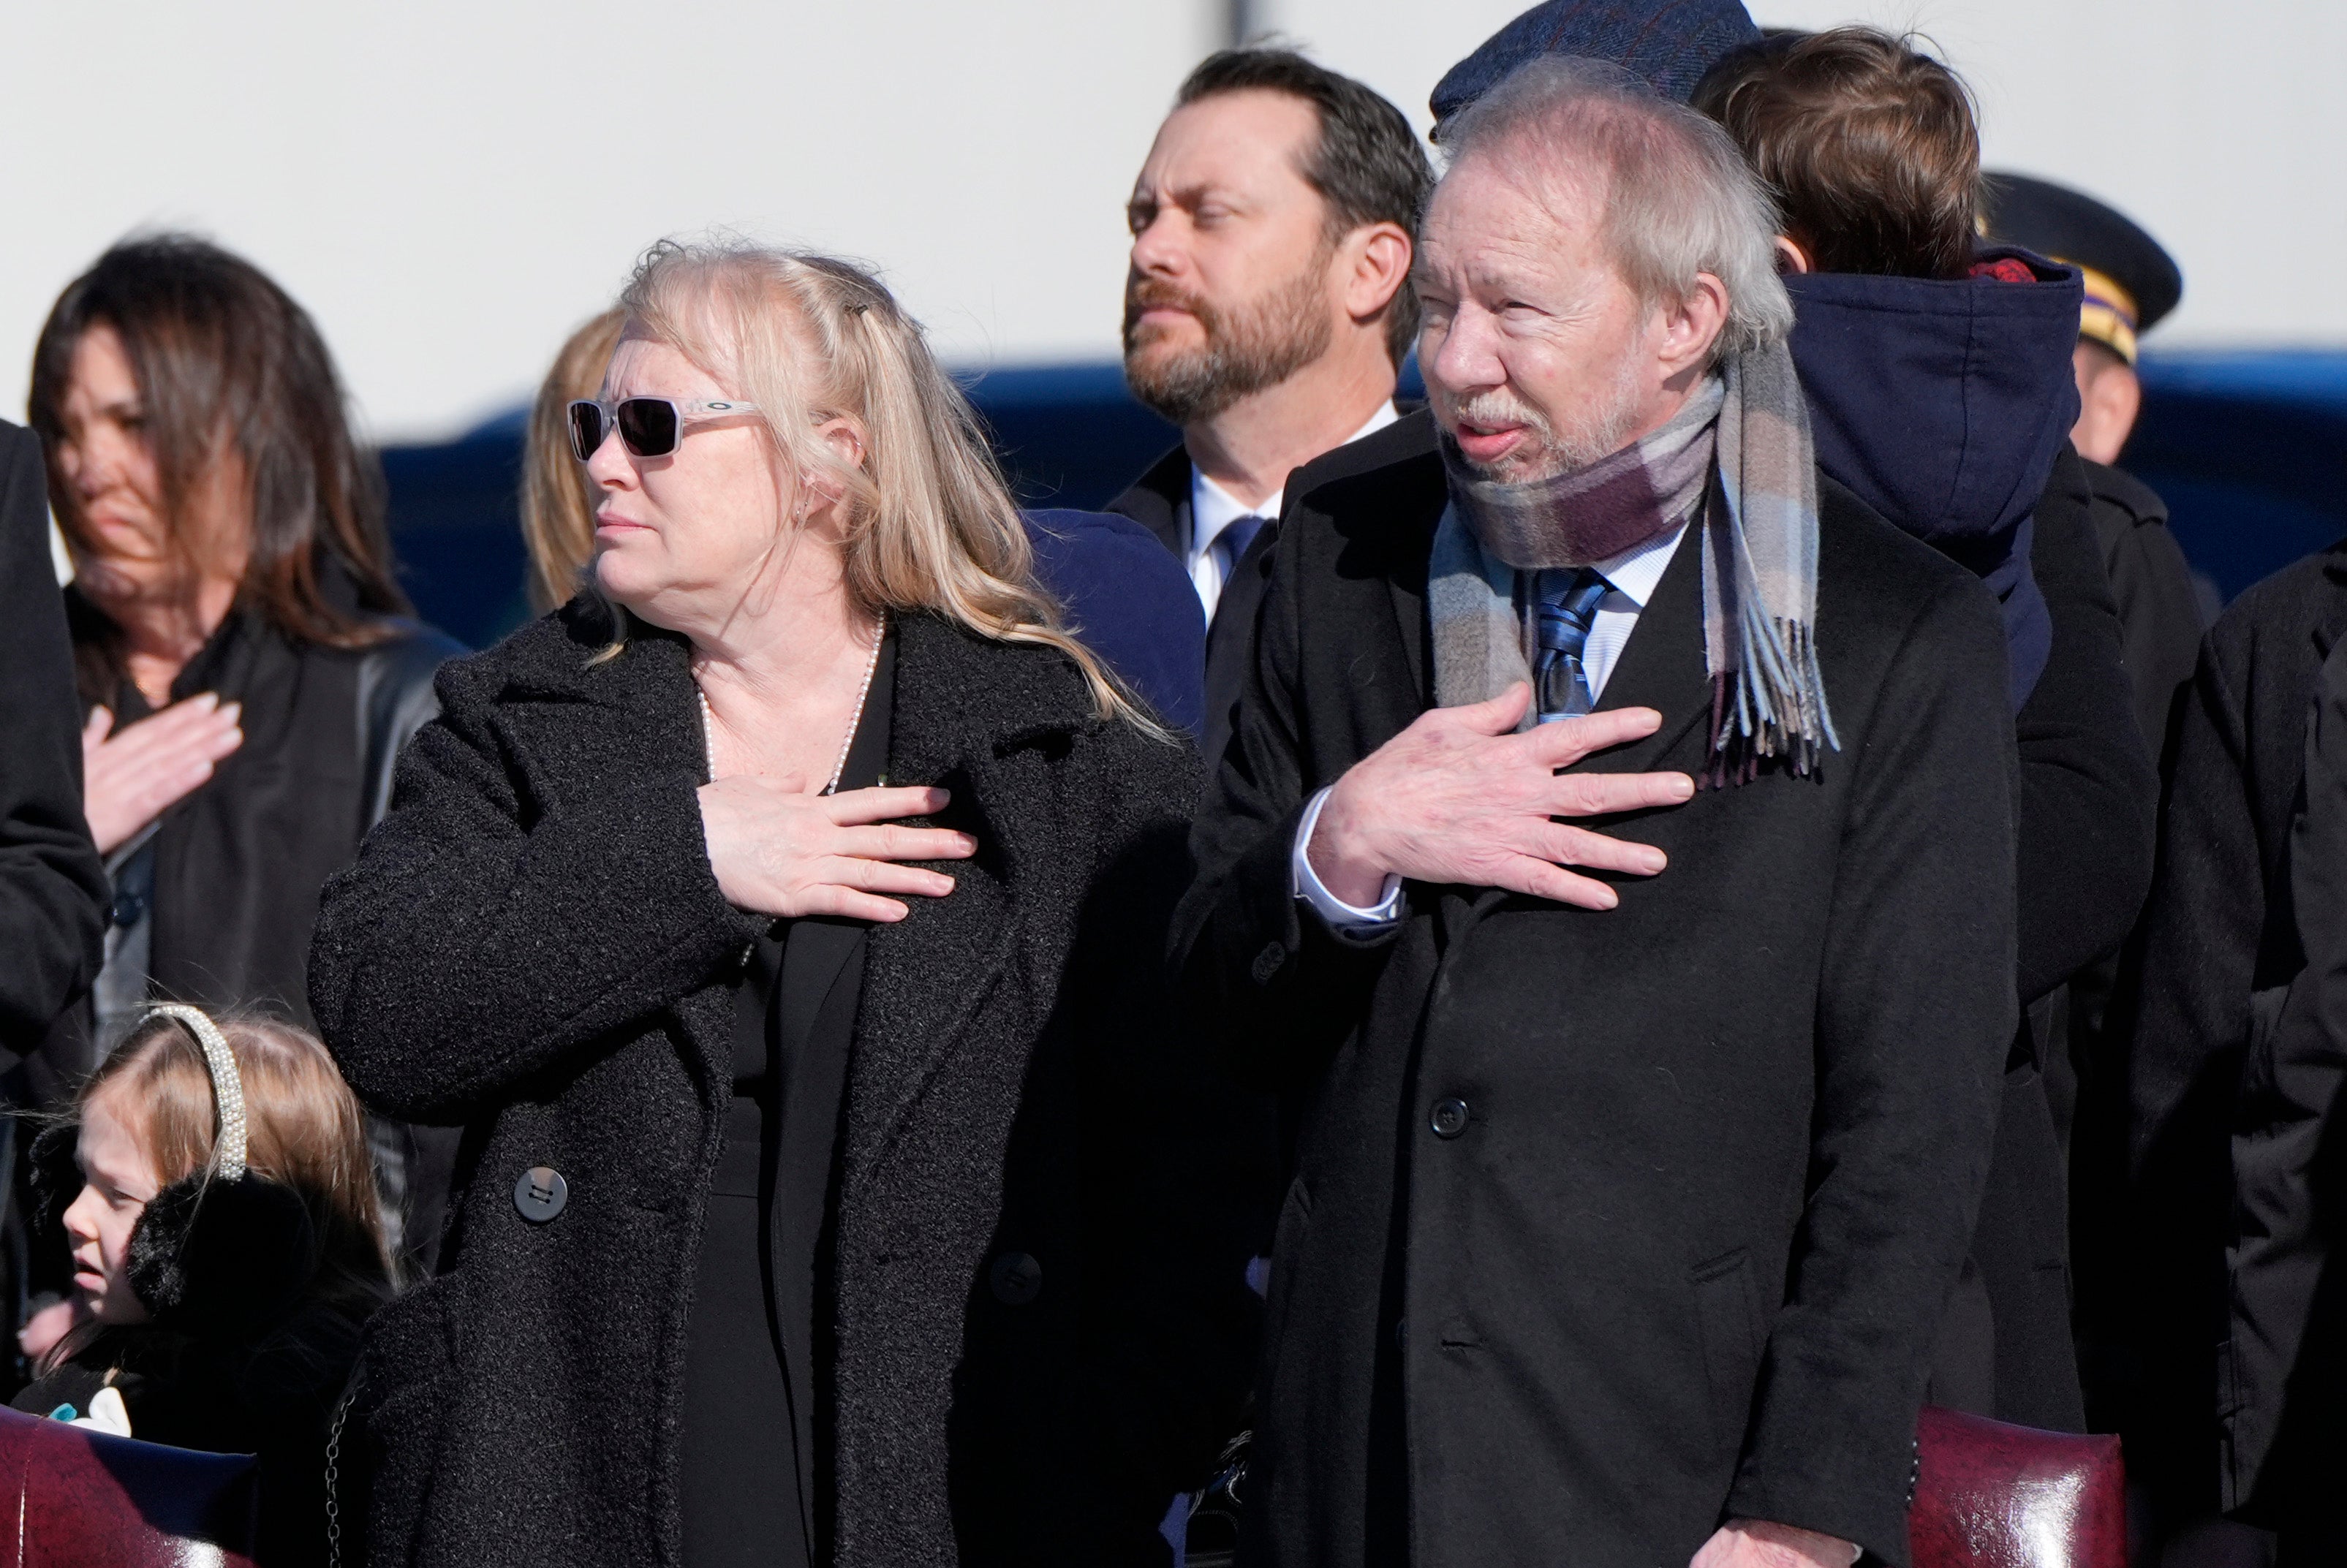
(334, 1477)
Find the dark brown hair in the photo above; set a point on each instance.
(225, 360)
(1368, 164)
(1869, 145)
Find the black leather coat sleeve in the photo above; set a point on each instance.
(53, 889)
(2089, 795)
(486, 934)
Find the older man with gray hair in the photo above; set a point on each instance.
(1623, 1213)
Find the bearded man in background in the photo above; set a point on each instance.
(1267, 311)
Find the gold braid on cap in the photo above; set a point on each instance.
(228, 1088)
(2109, 315)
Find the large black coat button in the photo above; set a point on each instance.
(1268, 962)
(541, 1193)
(1449, 1118)
(1015, 1278)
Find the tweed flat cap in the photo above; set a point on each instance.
(1669, 43)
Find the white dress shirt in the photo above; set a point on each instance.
(1631, 577)
(1213, 508)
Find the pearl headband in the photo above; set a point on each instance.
(228, 1088)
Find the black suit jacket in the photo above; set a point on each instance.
(53, 890)
(1160, 501)
(1724, 1144)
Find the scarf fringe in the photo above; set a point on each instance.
(1760, 561)
(1771, 706)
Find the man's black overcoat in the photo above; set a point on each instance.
(2196, 1000)
(2285, 1415)
(1036, 1329)
(1723, 1145)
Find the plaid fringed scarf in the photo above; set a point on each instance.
(1749, 425)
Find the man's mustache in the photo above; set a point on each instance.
(1491, 410)
(1155, 295)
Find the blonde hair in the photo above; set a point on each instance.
(929, 523)
(304, 1130)
(558, 515)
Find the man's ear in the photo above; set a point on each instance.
(1692, 326)
(1791, 258)
(1374, 263)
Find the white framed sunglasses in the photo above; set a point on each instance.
(648, 427)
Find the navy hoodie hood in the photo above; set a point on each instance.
(1943, 404)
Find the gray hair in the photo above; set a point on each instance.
(1680, 197)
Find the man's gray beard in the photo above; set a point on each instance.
(1591, 440)
(1257, 345)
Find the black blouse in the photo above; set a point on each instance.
(756, 1430)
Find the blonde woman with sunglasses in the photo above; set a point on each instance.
(782, 921)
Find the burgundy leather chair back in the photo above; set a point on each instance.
(73, 1498)
(1989, 1495)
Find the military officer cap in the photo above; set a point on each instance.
(2131, 281)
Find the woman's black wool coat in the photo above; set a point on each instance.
(1039, 1322)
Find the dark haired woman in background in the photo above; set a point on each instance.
(245, 668)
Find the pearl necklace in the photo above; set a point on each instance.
(855, 720)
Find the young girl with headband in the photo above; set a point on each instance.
(226, 1248)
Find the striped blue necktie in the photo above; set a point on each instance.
(1568, 607)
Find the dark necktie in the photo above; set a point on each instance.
(1568, 609)
(1230, 545)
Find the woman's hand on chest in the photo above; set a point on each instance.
(779, 849)
(132, 775)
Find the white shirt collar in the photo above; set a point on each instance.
(1213, 508)
(1636, 571)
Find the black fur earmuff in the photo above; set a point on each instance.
(221, 1248)
(215, 1256)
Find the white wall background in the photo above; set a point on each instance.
(450, 185)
